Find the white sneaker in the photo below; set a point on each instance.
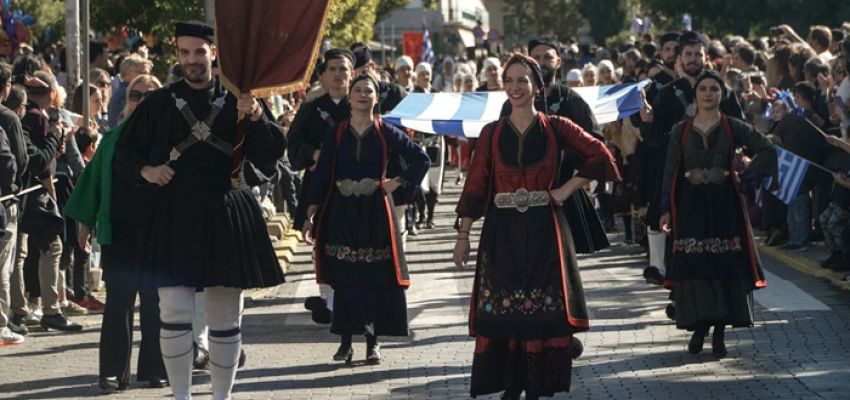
(9, 337)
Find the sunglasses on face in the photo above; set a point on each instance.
(136, 95)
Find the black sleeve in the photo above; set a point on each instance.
(265, 142)
(580, 113)
(8, 167)
(300, 150)
(132, 151)
(40, 158)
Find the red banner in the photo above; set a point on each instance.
(412, 45)
(268, 46)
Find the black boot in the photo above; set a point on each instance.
(718, 346)
(373, 354)
(431, 203)
(345, 351)
(697, 340)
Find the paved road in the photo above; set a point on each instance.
(799, 347)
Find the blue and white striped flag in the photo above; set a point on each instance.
(792, 171)
(465, 114)
(427, 51)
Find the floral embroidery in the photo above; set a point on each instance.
(520, 301)
(367, 255)
(709, 245)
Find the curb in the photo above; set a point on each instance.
(807, 266)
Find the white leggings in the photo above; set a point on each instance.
(222, 310)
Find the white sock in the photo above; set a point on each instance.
(223, 309)
(657, 248)
(327, 293)
(199, 327)
(176, 307)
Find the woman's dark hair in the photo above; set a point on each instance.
(711, 74)
(77, 102)
(365, 77)
(533, 66)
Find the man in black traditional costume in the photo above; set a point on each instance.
(202, 227)
(313, 120)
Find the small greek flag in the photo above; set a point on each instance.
(427, 51)
(465, 114)
(787, 99)
(792, 171)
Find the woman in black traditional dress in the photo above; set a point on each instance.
(714, 265)
(357, 244)
(527, 300)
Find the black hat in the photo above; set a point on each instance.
(543, 41)
(362, 54)
(339, 53)
(668, 37)
(196, 29)
(692, 37)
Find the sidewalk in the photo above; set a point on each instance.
(807, 262)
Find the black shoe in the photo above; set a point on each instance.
(511, 395)
(112, 384)
(829, 261)
(373, 354)
(671, 311)
(718, 347)
(653, 276)
(322, 316)
(697, 341)
(60, 323)
(201, 359)
(19, 329)
(576, 348)
(344, 353)
(313, 303)
(157, 383)
(242, 358)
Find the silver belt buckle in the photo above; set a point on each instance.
(521, 199)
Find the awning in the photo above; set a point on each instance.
(466, 37)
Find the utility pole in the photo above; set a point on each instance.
(84, 21)
(210, 11)
(72, 43)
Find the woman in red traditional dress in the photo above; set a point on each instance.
(527, 300)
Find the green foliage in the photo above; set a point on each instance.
(746, 17)
(351, 21)
(385, 7)
(529, 18)
(606, 17)
(46, 15)
(156, 17)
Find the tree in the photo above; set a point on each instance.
(606, 17)
(48, 16)
(746, 17)
(527, 18)
(351, 21)
(151, 16)
(385, 7)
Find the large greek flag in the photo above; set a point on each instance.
(792, 171)
(464, 114)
